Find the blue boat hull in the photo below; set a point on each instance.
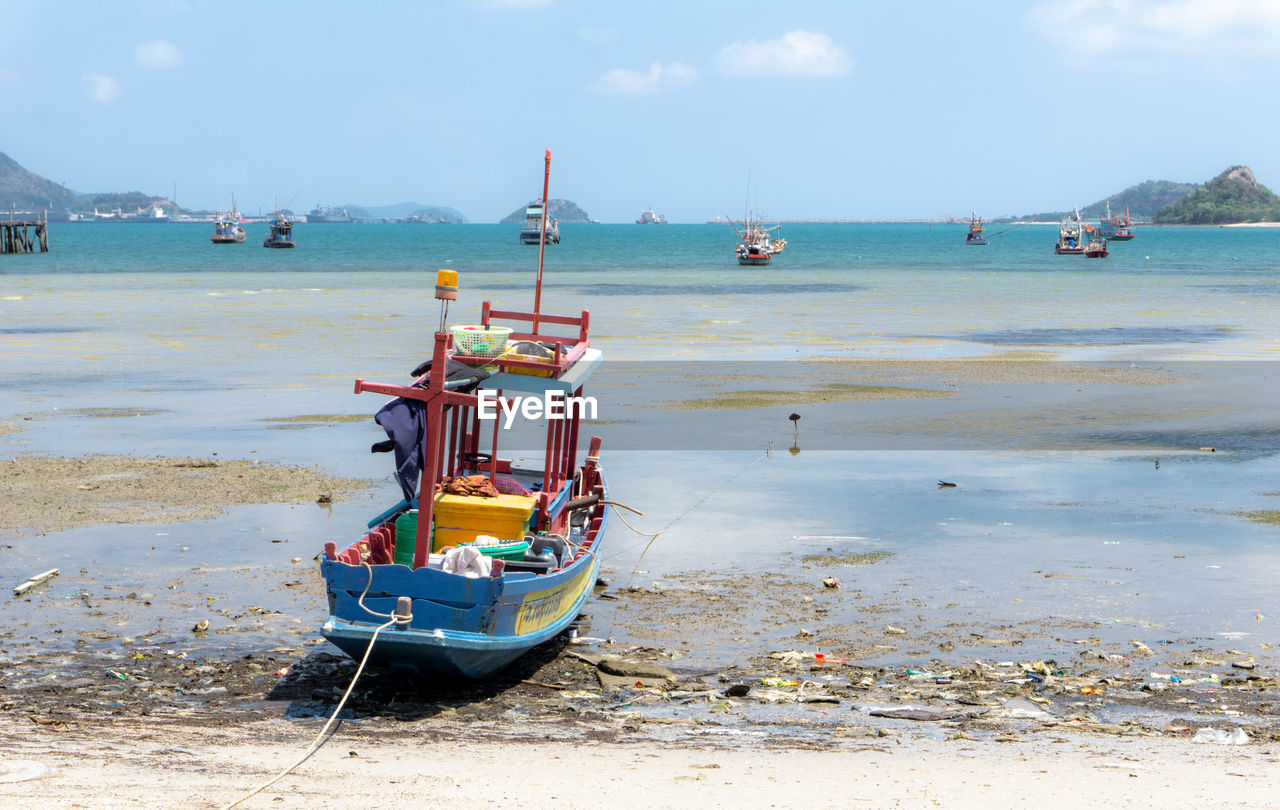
(461, 626)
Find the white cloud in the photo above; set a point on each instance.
(1173, 27)
(102, 89)
(159, 54)
(797, 53)
(623, 82)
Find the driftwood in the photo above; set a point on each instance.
(34, 581)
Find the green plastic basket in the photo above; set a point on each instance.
(480, 341)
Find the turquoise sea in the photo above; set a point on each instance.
(674, 290)
(204, 345)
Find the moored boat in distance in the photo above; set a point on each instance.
(279, 232)
(1117, 228)
(226, 227)
(752, 255)
(1070, 235)
(1096, 249)
(648, 217)
(484, 558)
(534, 220)
(974, 236)
(756, 245)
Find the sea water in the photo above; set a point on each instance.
(210, 345)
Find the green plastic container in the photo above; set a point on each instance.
(406, 538)
(506, 552)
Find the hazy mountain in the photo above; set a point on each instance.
(405, 210)
(24, 191)
(1142, 200)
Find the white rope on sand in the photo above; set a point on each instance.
(320, 738)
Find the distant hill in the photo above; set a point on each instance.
(1142, 200)
(1233, 196)
(407, 210)
(562, 210)
(26, 191)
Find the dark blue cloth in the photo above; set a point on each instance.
(405, 421)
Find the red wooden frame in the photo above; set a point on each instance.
(453, 424)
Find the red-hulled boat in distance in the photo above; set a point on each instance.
(974, 236)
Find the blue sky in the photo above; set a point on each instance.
(830, 109)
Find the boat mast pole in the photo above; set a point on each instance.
(542, 242)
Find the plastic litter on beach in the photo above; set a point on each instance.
(1235, 736)
(22, 770)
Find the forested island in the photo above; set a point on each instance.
(1231, 197)
(562, 210)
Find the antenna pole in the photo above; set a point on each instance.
(542, 242)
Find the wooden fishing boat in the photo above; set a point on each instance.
(1070, 236)
(536, 225)
(1096, 249)
(280, 232)
(1117, 228)
(226, 227)
(754, 255)
(974, 236)
(756, 244)
(490, 556)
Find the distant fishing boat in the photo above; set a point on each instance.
(280, 234)
(1070, 235)
(648, 217)
(535, 219)
(226, 227)
(1096, 249)
(1116, 228)
(756, 245)
(974, 236)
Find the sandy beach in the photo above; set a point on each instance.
(425, 765)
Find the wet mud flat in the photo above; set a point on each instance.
(668, 681)
(50, 493)
(699, 656)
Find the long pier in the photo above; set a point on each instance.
(23, 235)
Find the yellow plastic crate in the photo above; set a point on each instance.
(463, 518)
(531, 358)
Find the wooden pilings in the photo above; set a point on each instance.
(23, 235)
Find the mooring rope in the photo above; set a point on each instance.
(320, 738)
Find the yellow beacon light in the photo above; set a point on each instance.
(447, 285)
